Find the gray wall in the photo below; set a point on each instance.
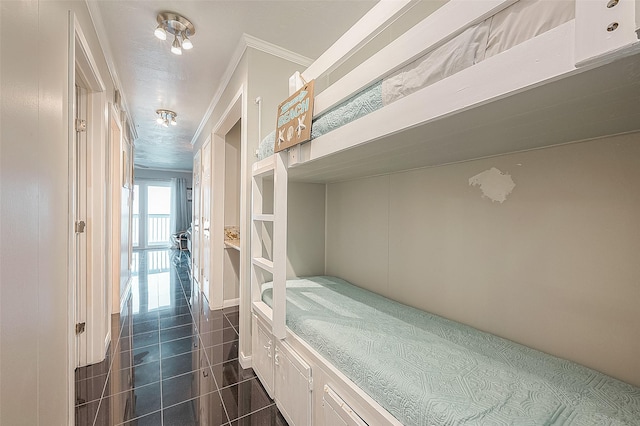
(305, 229)
(555, 266)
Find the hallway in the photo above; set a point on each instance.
(175, 361)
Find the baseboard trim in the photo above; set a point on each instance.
(125, 296)
(107, 342)
(245, 361)
(231, 302)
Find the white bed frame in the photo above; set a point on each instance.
(585, 52)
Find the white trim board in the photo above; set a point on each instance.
(275, 50)
(103, 40)
(153, 169)
(231, 302)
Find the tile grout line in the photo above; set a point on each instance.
(112, 358)
(253, 412)
(201, 341)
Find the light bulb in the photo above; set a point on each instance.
(175, 46)
(173, 121)
(186, 42)
(159, 120)
(160, 32)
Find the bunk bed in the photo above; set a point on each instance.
(483, 76)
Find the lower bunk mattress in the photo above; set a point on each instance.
(427, 370)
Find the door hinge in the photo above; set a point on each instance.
(80, 327)
(79, 226)
(81, 125)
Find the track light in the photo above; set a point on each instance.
(179, 26)
(160, 32)
(166, 117)
(176, 47)
(186, 42)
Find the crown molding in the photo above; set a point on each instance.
(103, 41)
(246, 41)
(272, 49)
(155, 169)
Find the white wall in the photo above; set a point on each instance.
(34, 200)
(555, 266)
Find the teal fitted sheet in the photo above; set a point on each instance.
(359, 105)
(426, 370)
(266, 146)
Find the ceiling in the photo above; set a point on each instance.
(150, 77)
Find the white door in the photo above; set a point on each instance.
(205, 257)
(196, 214)
(80, 221)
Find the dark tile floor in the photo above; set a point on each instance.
(174, 361)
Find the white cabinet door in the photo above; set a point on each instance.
(293, 386)
(262, 358)
(337, 412)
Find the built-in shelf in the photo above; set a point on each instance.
(264, 167)
(263, 217)
(263, 263)
(232, 244)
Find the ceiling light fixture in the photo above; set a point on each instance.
(166, 117)
(180, 27)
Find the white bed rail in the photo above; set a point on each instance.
(369, 26)
(436, 29)
(605, 28)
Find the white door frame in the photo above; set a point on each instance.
(230, 117)
(83, 70)
(114, 227)
(206, 224)
(237, 109)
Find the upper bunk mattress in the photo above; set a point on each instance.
(427, 370)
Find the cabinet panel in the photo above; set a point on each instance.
(262, 358)
(337, 412)
(293, 385)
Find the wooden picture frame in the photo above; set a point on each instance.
(293, 125)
